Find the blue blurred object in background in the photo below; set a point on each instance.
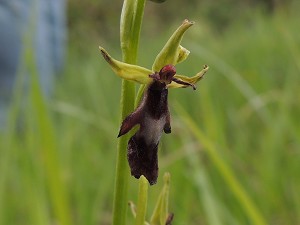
(48, 41)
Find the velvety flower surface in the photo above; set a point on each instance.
(152, 115)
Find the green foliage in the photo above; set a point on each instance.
(130, 26)
(247, 106)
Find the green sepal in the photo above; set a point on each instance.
(182, 55)
(172, 51)
(191, 80)
(127, 71)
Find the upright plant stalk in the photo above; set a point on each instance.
(130, 26)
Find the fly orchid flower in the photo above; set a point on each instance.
(152, 114)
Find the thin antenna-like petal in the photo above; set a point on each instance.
(191, 80)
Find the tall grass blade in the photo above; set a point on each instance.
(225, 171)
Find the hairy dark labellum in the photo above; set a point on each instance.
(153, 117)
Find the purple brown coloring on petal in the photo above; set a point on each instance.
(153, 116)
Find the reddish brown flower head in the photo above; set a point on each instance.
(167, 73)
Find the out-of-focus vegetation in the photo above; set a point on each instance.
(101, 18)
(61, 163)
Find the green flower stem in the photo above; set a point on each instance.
(142, 201)
(122, 170)
(130, 26)
(139, 94)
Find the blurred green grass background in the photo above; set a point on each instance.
(234, 151)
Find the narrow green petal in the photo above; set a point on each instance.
(183, 54)
(191, 80)
(127, 71)
(172, 50)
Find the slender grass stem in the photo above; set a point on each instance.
(249, 207)
(130, 26)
